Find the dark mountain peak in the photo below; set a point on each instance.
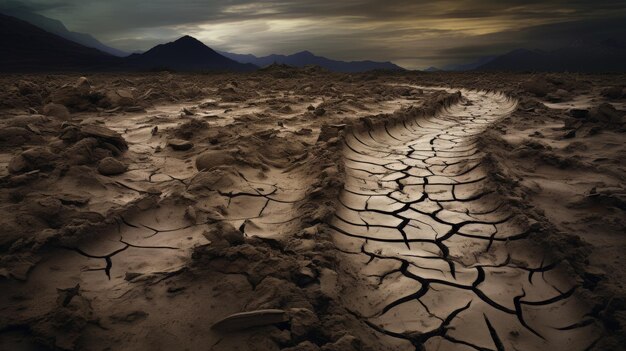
(188, 40)
(184, 54)
(182, 46)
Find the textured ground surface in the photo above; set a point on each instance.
(346, 212)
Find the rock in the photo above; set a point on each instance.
(56, 110)
(213, 158)
(311, 108)
(121, 97)
(32, 159)
(82, 85)
(71, 97)
(319, 111)
(111, 166)
(104, 134)
(251, 319)
(179, 144)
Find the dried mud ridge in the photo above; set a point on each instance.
(442, 261)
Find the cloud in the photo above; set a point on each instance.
(417, 33)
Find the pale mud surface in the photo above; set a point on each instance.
(442, 261)
(345, 212)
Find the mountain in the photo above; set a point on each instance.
(469, 66)
(432, 69)
(604, 56)
(26, 47)
(56, 27)
(305, 58)
(184, 54)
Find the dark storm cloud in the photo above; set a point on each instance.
(411, 32)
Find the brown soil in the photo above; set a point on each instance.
(295, 209)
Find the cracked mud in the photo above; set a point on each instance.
(302, 210)
(444, 262)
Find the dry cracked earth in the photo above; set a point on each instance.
(302, 210)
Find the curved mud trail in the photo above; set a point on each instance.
(440, 261)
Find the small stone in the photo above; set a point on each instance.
(56, 110)
(82, 85)
(311, 108)
(111, 166)
(179, 144)
(320, 111)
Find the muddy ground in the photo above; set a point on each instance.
(296, 209)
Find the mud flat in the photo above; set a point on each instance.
(295, 209)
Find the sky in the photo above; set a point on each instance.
(414, 34)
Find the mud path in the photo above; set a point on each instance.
(439, 258)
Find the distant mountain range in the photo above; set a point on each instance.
(56, 27)
(29, 48)
(469, 66)
(305, 58)
(184, 54)
(31, 42)
(604, 56)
